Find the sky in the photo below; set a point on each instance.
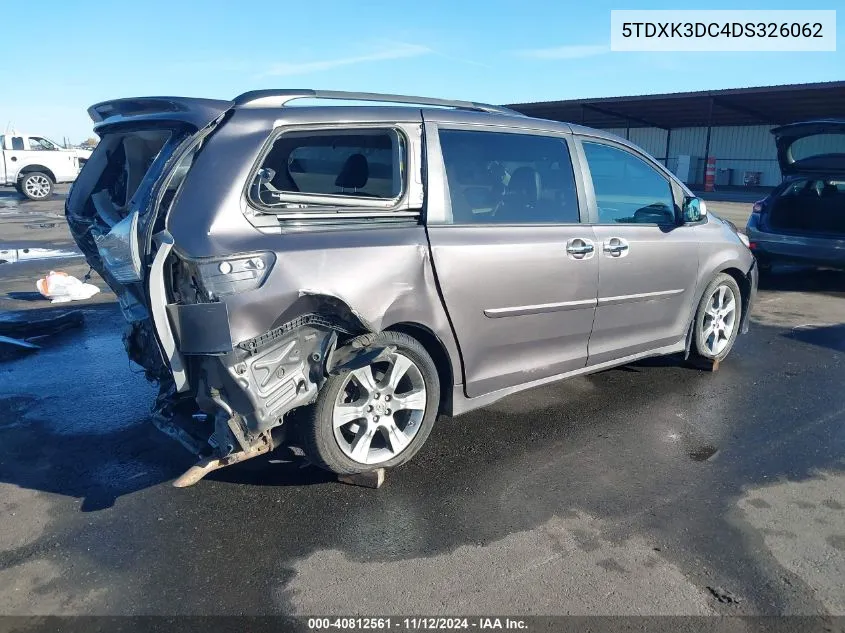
(493, 51)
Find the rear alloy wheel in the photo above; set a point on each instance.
(718, 318)
(36, 186)
(377, 416)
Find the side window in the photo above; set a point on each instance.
(508, 178)
(321, 168)
(38, 143)
(17, 142)
(628, 190)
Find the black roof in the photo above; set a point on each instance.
(767, 105)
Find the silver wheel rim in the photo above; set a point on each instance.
(379, 410)
(719, 319)
(37, 187)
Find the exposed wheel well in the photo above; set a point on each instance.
(31, 168)
(438, 353)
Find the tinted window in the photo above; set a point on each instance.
(500, 177)
(816, 145)
(628, 190)
(365, 164)
(17, 142)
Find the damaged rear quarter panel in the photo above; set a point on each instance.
(379, 275)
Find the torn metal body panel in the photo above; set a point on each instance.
(263, 382)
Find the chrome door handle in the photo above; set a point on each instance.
(615, 247)
(580, 248)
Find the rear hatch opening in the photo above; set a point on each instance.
(810, 206)
(811, 155)
(119, 201)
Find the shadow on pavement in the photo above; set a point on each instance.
(25, 296)
(804, 279)
(829, 336)
(74, 416)
(281, 468)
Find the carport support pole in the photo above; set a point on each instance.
(627, 129)
(707, 145)
(668, 137)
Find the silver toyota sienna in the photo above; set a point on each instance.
(338, 276)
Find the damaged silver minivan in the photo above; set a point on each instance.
(349, 272)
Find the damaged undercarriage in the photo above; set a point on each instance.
(239, 402)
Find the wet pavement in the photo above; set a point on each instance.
(648, 489)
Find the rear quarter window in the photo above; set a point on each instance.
(319, 168)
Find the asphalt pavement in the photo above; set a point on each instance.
(649, 489)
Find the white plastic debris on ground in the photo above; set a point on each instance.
(60, 287)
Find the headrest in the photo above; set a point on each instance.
(525, 181)
(355, 173)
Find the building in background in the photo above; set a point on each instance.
(682, 129)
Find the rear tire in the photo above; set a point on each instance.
(36, 185)
(369, 418)
(717, 319)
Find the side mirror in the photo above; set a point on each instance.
(694, 209)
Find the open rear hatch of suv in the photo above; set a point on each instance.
(812, 159)
(120, 198)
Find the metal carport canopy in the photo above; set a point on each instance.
(768, 105)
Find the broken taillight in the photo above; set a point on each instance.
(235, 274)
(119, 250)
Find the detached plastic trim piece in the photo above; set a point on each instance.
(158, 308)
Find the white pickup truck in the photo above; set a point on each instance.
(34, 164)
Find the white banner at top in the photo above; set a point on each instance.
(728, 30)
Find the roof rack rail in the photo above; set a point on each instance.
(279, 98)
